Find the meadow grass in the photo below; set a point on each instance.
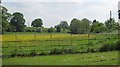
(99, 58)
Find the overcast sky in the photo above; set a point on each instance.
(54, 11)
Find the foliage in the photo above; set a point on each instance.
(111, 24)
(58, 29)
(45, 30)
(86, 24)
(50, 30)
(74, 26)
(18, 21)
(109, 47)
(62, 24)
(5, 19)
(37, 23)
(79, 27)
(98, 27)
(62, 51)
(39, 29)
(29, 29)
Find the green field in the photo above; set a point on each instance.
(103, 58)
(44, 48)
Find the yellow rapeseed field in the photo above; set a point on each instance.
(29, 37)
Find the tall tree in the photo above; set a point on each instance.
(98, 27)
(75, 26)
(37, 23)
(63, 24)
(5, 16)
(18, 21)
(86, 24)
(58, 29)
(110, 24)
(94, 24)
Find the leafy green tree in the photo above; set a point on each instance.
(86, 24)
(63, 24)
(37, 23)
(5, 18)
(11, 28)
(75, 26)
(58, 29)
(18, 21)
(98, 27)
(116, 26)
(79, 27)
(111, 24)
(94, 25)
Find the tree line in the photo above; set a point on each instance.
(16, 23)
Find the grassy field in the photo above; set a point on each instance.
(100, 58)
(45, 46)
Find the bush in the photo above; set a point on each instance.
(58, 29)
(62, 51)
(50, 30)
(56, 51)
(118, 45)
(30, 29)
(14, 53)
(109, 47)
(33, 53)
(69, 51)
(39, 29)
(44, 53)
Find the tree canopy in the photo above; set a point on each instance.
(37, 23)
(63, 24)
(79, 26)
(111, 24)
(18, 21)
(5, 19)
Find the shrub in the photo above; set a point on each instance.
(50, 30)
(30, 29)
(109, 47)
(118, 45)
(14, 53)
(105, 47)
(69, 51)
(45, 53)
(58, 29)
(39, 29)
(63, 51)
(56, 51)
(33, 53)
